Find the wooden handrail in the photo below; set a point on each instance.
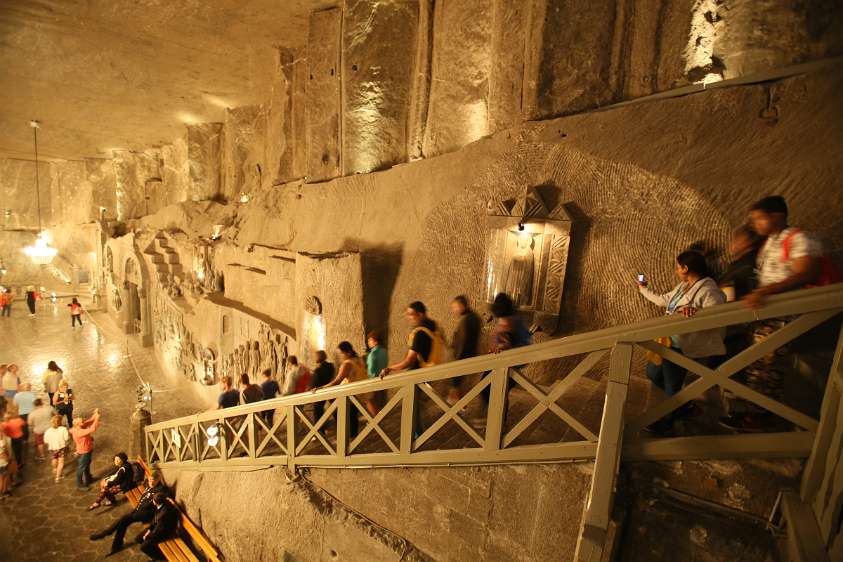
(786, 304)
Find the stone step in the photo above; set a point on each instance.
(155, 257)
(171, 257)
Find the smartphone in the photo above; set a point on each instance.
(642, 278)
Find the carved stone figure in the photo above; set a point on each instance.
(254, 361)
(519, 275)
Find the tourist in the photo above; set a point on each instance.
(39, 422)
(6, 299)
(7, 464)
(14, 427)
(63, 402)
(465, 340)
(163, 527)
(25, 401)
(10, 381)
(51, 379)
(696, 290)
(739, 278)
(322, 375)
(75, 312)
(351, 369)
(376, 361)
(82, 433)
(122, 480)
(269, 389)
(426, 342)
(142, 513)
(229, 397)
(249, 393)
(790, 258)
(426, 347)
(292, 374)
(30, 299)
(57, 439)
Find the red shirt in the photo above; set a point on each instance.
(82, 435)
(14, 427)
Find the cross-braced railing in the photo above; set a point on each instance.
(415, 425)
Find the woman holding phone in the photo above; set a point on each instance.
(696, 290)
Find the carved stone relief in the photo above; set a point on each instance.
(527, 255)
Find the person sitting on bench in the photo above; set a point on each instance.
(143, 512)
(164, 525)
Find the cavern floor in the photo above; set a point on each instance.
(43, 520)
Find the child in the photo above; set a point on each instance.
(75, 312)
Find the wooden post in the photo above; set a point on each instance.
(598, 509)
(408, 405)
(343, 408)
(495, 413)
(291, 439)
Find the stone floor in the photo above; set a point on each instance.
(43, 520)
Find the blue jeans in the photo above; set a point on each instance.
(668, 376)
(83, 470)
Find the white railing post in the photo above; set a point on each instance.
(291, 438)
(598, 508)
(343, 408)
(496, 412)
(408, 406)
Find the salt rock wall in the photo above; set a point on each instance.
(462, 59)
(139, 189)
(323, 95)
(243, 151)
(443, 514)
(175, 170)
(286, 139)
(640, 182)
(204, 155)
(81, 190)
(377, 79)
(17, 193)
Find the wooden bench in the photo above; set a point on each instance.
(176, 549)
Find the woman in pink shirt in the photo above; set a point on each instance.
(82, 433)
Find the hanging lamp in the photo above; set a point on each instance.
(40, 252)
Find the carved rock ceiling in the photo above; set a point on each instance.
(104, 74)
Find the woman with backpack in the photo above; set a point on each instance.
(122, 480)
(352, 369)
(696, 290)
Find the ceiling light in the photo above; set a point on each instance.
(40, 252)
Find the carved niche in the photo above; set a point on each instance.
(527, 255)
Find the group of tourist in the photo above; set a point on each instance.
(48, 421)
(767, 256)
(427, 346)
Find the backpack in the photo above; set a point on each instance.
(829, 274)
(136, 470)
(437, 346)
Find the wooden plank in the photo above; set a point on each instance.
(804, 541)
(597, 513)
(830, 419)
(408, 406)
(795, 444)
(496, 411)
(374, 423)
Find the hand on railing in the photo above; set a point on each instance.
(385, 371)
(687, 311)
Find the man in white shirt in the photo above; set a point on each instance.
(789, 259)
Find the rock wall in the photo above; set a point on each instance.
(17, 190)
(443, 514)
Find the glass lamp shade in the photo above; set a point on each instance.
(40, 252)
